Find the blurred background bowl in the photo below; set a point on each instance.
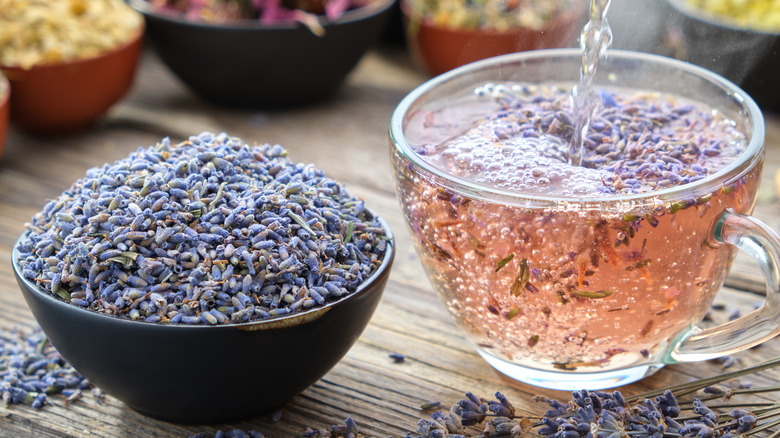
(437, 49)
(206, 374)
(748, 57)
(64, 97)
(248, 64)
(4, 99)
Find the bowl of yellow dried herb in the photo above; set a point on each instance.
(739, 40)
(67, 61)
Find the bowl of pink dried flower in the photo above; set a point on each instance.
(264, 53)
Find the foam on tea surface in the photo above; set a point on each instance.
(522, 164)
(637, 142)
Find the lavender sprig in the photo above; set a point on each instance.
(600, 414)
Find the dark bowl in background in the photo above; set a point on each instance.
(206, 374)
(63, 97)
(750, 58)
(247, 64)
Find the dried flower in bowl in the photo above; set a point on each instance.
(46, 31)
(265, 11)
(68, 61)
(496, 15)
(209, 231)
(211, 58)
(205, 281)
(760, 15)
(444, 34)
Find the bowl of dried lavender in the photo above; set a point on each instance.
(265, 53)
(68, 61)
(204, 281)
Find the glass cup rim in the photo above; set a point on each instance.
(741, 163)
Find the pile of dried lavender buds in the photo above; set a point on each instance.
(590, 414)
(347, 430)
(597, 414)
(208, 231)
(32, 370)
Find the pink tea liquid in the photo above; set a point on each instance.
(597, 280)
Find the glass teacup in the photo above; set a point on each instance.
(593, 276)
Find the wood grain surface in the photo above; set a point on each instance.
(347, 137)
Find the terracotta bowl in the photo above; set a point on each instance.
(437, 49)
(63, 97)
(5, 93)
(749, 58)
(247, 64)
(206, 374)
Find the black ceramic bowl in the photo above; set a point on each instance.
(206, 374)
(749, 58)
(247, 64)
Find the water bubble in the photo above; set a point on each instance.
(494, 166)
(463, 160)
(449, 153)
(501, 90)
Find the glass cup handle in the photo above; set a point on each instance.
(763, 244)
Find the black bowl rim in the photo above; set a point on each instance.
(713, 19)
(267, 324)
(374, 8)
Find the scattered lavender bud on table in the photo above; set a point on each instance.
(347, 430)
(397, 357)
(233, 433)
(727, 361)
(430, 405)
(31, 370)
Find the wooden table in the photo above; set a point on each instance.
(347, 137)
